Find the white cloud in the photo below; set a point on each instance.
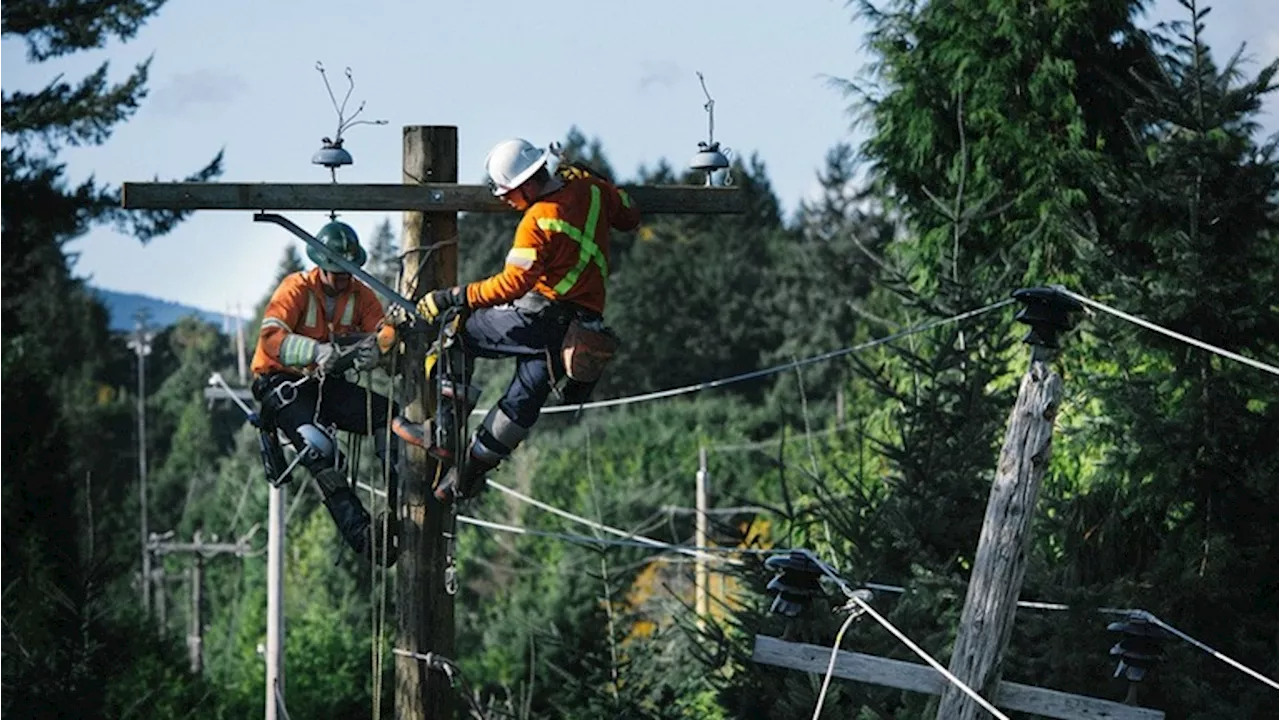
(200, 87)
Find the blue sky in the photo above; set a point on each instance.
(240, 74)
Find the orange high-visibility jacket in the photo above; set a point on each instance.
(561, 247)
(298, 307)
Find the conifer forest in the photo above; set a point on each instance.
(1010, 144)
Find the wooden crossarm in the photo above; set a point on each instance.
(922, 678)
(427, 197)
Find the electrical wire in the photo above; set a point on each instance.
(1166, 331)
(721, 382)
(855, 597)
(640, 539)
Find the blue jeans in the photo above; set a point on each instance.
(533, 339)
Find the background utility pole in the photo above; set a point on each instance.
(275, 599)
(141, 346)
(700, 540)
(999, 565)
(424, 610)
(160, 545)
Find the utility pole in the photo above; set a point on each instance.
(424, 608)
(276, 506)
(700, 540)
(141, 346)
(160, 545)
(431, 197)
(1000, 562)
(241, 369)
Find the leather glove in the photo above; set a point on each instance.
(365, 353)
(328, 358)
(435, 303)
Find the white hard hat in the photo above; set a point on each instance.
(511, 162)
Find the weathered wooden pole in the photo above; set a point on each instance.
(424, 609)
(1000, 562)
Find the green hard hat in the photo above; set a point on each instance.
(341, 238)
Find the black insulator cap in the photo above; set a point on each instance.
(1047, 311)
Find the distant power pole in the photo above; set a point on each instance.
(700, 576)
(240, 349)
(141, 346)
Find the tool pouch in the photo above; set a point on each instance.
(588, 346)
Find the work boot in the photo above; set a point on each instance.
(465, 485)
(418, 434)
(422, 435)
(344, 507)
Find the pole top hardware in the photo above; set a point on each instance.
(797, 582)
(1047, 311)
(331, 153)
(709, 158)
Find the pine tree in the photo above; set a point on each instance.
(61, 575)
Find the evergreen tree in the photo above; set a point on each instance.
(63, 633)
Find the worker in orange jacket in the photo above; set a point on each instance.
(298, 370)
(553, 280)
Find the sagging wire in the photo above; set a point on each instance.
(854, 613)
(859, 600)
(721, 382)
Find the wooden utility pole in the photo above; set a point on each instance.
(424, 609)
(700, 540)
(431, 199)
(915, 677)
(159, 545)
(1000, 562)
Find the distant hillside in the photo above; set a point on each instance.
(163, 313)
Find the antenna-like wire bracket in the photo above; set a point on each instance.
(331, 154)
(710, 158)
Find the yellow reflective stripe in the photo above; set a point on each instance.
(588, 251)
(274, 322)
(349, 311)
(624, 197)
(297, 350)
(522, 258)
(312, 314)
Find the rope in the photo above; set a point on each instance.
(710, 384)
(1165, 331)
(1217, 655)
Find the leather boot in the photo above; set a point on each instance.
(344, 507)
(465, 485)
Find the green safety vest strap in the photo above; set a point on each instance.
(588, 251)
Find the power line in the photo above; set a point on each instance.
(1171, 333)
(721, 382)
(857, 598)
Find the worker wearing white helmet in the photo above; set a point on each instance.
(545, 308)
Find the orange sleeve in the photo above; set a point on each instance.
(523, 268)
(369, 312)
(623, 212)
(283, 313)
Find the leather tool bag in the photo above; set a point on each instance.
(588, 346)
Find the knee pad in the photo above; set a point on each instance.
(497, 437)
(319, 451)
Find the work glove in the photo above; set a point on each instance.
(329, 358)
(435, 303)
(364, 354)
